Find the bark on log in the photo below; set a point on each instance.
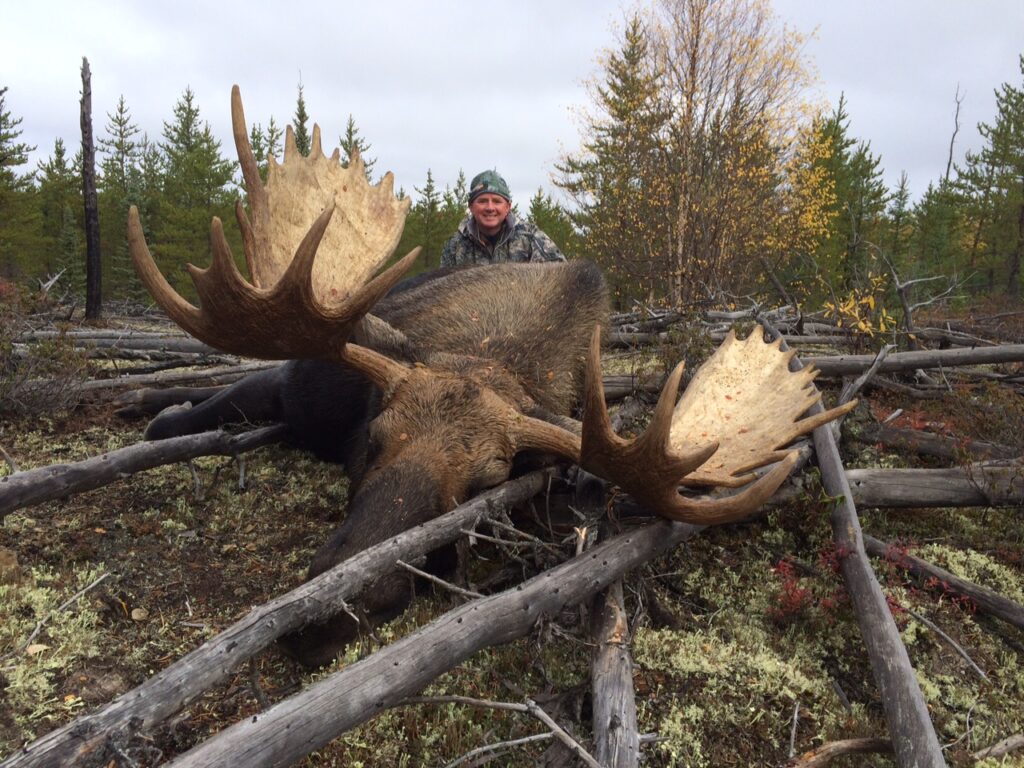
(222, 374)
(616, 733)
(34, 486)
(929, 444)
(313, 717)
(906, 712)
(987, 600)
(984, 484)
(175, 687)
(826, 753)
(846, 365)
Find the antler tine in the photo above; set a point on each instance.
(384, 372)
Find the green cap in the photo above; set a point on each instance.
(488, 182)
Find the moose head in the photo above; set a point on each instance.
(482, 365)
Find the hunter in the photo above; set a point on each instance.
(491, 233)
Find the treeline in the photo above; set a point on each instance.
(704, 173)
(178, 182)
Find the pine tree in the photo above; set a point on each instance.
(119, 188)
(351, 143)
(860, 199)
(197, 184)
(616, 179)
(60, 197)
(302, 137)
(556, 223)
(18, 214)
(995, 176)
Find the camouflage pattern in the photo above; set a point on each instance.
(518, 241)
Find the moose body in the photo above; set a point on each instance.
(518, 330)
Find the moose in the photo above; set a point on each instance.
(427, 392)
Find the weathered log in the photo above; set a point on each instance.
(222, 374)
(984, 484)
(308, 720)
(906, 711)
(1001, 748)
(929, 444)
(175, 687)
(987, 600)
(846, 365)
(616, 733)
(34, 486)
(149, 401)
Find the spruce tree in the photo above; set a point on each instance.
(60, 206)
(351, 142)
(119, 189)
(19, 240)
(302, 137)
(996, 175)
(551, 217)
(617, 180)
(197, 184)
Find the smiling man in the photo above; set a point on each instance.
(491, 234)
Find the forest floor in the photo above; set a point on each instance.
(745, 644)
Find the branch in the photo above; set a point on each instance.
(34, 486)
(846, 365)
(826, 753)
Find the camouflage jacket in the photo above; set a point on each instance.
(518, 241)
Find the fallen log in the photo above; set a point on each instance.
(148, 705)
(826, 753)
(984, 484)
(906, 711)
(929, 444)
(310, 719)
(150, 401)
(221, 374)
(616, 732)
(847, 365)
(987, 600)
(34, 486)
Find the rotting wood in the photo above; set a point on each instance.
(847, 365)
(985, 599)
(34, 486)
(906, 712)
(176, 686)
(339, 702)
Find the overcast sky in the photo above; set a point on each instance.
(457, 85)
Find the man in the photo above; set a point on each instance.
(491, 233)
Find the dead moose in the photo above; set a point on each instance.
(430, 398)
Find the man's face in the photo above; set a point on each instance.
(489, 212)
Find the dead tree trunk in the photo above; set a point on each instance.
(93, 274)
(616, 733)
(847, 365)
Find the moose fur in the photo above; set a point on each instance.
(519, 331)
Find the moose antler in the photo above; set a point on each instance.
(741, 409)
(297, 305)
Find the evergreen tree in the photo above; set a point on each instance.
(60, 197)
(617, 180)
(425, 222)
(18, 215)
(551, 217)
(898, 221)
(352, 143)
(302, 137)
(995, 176)
(860, 199)
(197, 184)
(272, 139)
(119, 188)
